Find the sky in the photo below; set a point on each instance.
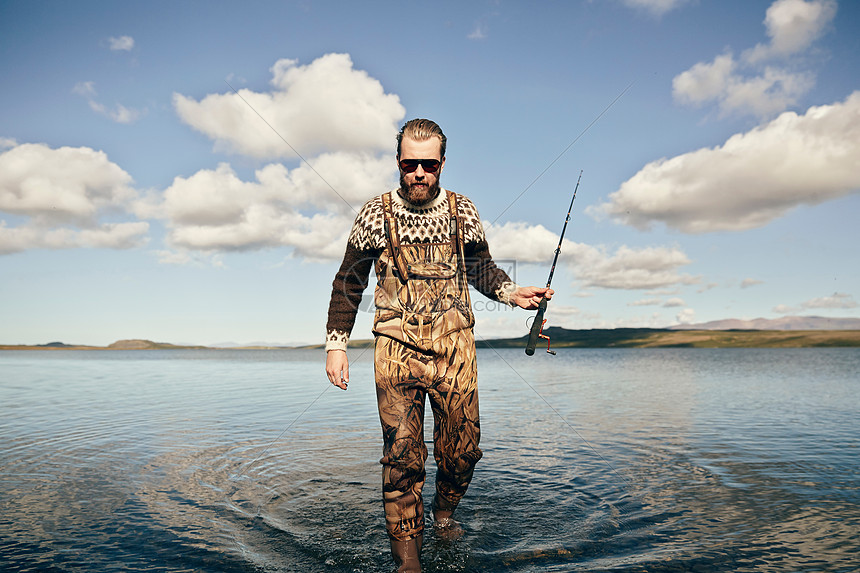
(188, 172)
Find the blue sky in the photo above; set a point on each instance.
(142, 197)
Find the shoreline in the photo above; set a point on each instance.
(560, 337)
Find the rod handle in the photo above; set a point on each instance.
(536, 327)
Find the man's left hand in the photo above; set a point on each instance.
(529, 297)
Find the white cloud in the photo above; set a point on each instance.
(36, 236)
(763, 95)
(792, 25)
(86, 89)
(68, 184)
(64, 194)
(746, 283)
(122, 43)
(174, 257)
(750, 180)
(325, 105)
(673, 302)
(214, 210)
(479, 33)
(704, 82)
(686, 316)
(836, 300)
(646, 302)
(626, 268)
(747, 87)
(119, 113)
(523, 242)
(655, 7)
(630, 268)
(234, 79)
(7, 142)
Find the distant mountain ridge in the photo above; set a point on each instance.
(140, 344)
(784, 323)
(789, 331)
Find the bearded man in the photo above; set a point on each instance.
(426, 245)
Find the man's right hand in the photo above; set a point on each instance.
(337, 368)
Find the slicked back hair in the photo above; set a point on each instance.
(422, 130)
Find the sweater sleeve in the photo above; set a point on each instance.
(487, 278)
(482, 272)
(346, 294)
(362, 249)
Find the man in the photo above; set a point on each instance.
(425, 243)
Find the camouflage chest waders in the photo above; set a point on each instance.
(424, 346)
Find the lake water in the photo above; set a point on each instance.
(594, 460)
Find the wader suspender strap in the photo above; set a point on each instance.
(457, 242)
(393, 237)
(456, 231)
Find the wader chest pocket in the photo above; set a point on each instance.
(428, 270)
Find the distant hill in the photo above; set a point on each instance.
(788, 332)
(784, 323)
(138, 344)
(128, 344)
(664, 338)
(131, 344)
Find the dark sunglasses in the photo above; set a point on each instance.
(429, 165)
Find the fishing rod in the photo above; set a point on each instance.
(537, 326)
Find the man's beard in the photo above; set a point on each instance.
(418, 195)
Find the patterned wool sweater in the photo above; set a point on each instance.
(426, 224)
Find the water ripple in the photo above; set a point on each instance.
(647, 461)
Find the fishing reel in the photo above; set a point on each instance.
(530, 323)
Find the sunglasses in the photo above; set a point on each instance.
(429, 165)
